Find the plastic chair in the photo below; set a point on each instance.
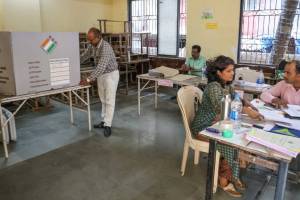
(188, 98)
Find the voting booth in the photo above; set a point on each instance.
(32, 62)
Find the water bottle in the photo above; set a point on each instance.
(203, 72)
(261, 79)
(236, 111)
(225, 107)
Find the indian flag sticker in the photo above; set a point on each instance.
(49, 44)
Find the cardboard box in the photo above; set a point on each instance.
(35, 62)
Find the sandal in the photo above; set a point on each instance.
(240, 185)
(230, 190)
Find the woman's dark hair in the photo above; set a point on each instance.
(297, 63)
(282, 65)
(216, 64)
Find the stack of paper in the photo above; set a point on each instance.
(293, 110)
(182, 77)
(165, 71)
(252, 85)
(281, 143)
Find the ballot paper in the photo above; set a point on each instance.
(284, 144)
(292, 110)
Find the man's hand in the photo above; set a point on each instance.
(252, 113)
(278, 103)
(185, 68)
(84, 82)
(217, 119)
(248, 104)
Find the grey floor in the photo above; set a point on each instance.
(55, 160)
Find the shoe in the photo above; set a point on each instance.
(100, 125)
(107, 131)
(231, 191)
(240, 185)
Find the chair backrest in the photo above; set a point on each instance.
(186, 97)
(246, 74)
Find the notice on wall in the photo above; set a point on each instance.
(212, 25)
(207, 14)
(59, 71)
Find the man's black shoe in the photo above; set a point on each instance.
(107, 131)
(100, 125)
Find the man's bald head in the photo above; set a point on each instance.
(94, 36)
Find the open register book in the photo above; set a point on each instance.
(284, 144)
(169, 73)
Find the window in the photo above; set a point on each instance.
(166, 27)
(269, 31)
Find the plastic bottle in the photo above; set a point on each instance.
(203, 72)
(225, 107)
(261, 79)
(236, 111)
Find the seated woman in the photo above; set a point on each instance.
(220, 73)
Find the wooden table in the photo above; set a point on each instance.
(239, 142)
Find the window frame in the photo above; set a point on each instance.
(253, 63)
(129, 3)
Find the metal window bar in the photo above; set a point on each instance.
(144, 19)
(258, 32)
(182, 29)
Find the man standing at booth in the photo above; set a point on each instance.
(106, 74)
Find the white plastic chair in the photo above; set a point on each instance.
(186, 98)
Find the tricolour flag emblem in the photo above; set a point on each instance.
(49, 44)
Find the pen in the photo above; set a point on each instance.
(213, 130)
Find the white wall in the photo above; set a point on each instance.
(21, 15)
(53, 15)
(1, 15)
(221, 40)
(73, 15)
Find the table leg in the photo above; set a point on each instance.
(281, 180)
(88, 107)
(126, 79)
(210, 169)
(155, 96)
(139, 96)
(71, 108)
(3, 133)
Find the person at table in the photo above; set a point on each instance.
(286, 91)
(195, 64)
(220, 73)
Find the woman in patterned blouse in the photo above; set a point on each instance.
(220, 73)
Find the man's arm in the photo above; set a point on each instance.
(86, 54)
(101, 65)
(272, 93)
